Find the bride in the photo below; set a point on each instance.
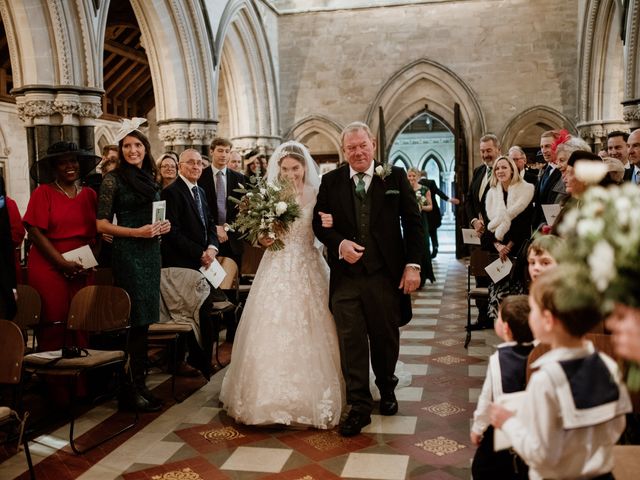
(285, 367)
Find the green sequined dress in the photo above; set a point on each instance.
(136, 262)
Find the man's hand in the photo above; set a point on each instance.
(208, 256)
(326, 219)
(498, 415)
(350, 251)
(222, 234)
(475, 438)
(478, 226)
(410, 280)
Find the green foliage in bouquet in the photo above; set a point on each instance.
(265, 210)
(602, 234)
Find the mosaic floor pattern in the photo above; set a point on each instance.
(194, 439)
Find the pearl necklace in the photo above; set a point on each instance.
(65, 192)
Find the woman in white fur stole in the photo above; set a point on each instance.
(509, 211)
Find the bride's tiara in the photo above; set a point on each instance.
(290, 153)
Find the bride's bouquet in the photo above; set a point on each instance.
(265, 210)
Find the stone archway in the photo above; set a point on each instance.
(247, 95)
(601, 74)
(427, 83)
(181, 60)
(321, 135)
(525, 128)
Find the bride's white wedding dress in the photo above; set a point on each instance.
(285, 366)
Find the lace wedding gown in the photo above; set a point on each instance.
(285, 367)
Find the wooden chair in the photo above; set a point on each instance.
(11, 357)
(28, 313)
(478, 260)
(95, 309)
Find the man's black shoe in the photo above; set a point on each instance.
(354, 423)
(480, 326)
(388, 405)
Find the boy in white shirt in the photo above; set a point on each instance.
(574, 406)
(506, 373)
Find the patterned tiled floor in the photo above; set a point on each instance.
(427, 439)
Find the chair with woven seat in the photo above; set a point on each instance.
(28, 312)
(97, 309)
(478, 260)
(11, 358)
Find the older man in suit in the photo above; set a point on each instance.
(374, 266)
(192, 243)
(474, 203)
(475, 209)
(219, 184)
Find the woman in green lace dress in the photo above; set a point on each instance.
(128, 193)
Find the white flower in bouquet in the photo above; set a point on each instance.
(601, 261)
(266, 211)
(603, 232)
(281, 207)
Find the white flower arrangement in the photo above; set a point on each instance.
(603, 236)
(265, 210)
(603, 232)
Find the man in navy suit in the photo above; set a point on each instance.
(617, 148)
(192, 243)
(219, 184)
(547, 178)
(374, 267)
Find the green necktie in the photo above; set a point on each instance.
(489, 170)
(360, 191)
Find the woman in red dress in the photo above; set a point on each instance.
(61, 216)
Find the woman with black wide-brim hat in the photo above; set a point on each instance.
(61, 216)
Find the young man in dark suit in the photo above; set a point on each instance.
(219, 184)
(373, 266)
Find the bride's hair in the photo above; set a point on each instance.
(300, 153)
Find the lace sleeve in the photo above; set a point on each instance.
(108, 190)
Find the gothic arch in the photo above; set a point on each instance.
(436, 157)
(601, 74)
(180, 58)
(316, 125)
(425, 82)
(247, 84)
(402, 158)
(525, 128)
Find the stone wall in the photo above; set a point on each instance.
(513, 55)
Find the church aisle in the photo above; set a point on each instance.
(427, 439)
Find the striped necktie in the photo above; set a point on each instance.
(221, 198)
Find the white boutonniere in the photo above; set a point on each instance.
(383, 171)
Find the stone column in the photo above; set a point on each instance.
(265, 144)
(448, 178)
(631, 112)
(57, 114)
(178, 135)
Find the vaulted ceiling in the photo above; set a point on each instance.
(127, 77)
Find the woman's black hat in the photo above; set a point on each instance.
(43, 170)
